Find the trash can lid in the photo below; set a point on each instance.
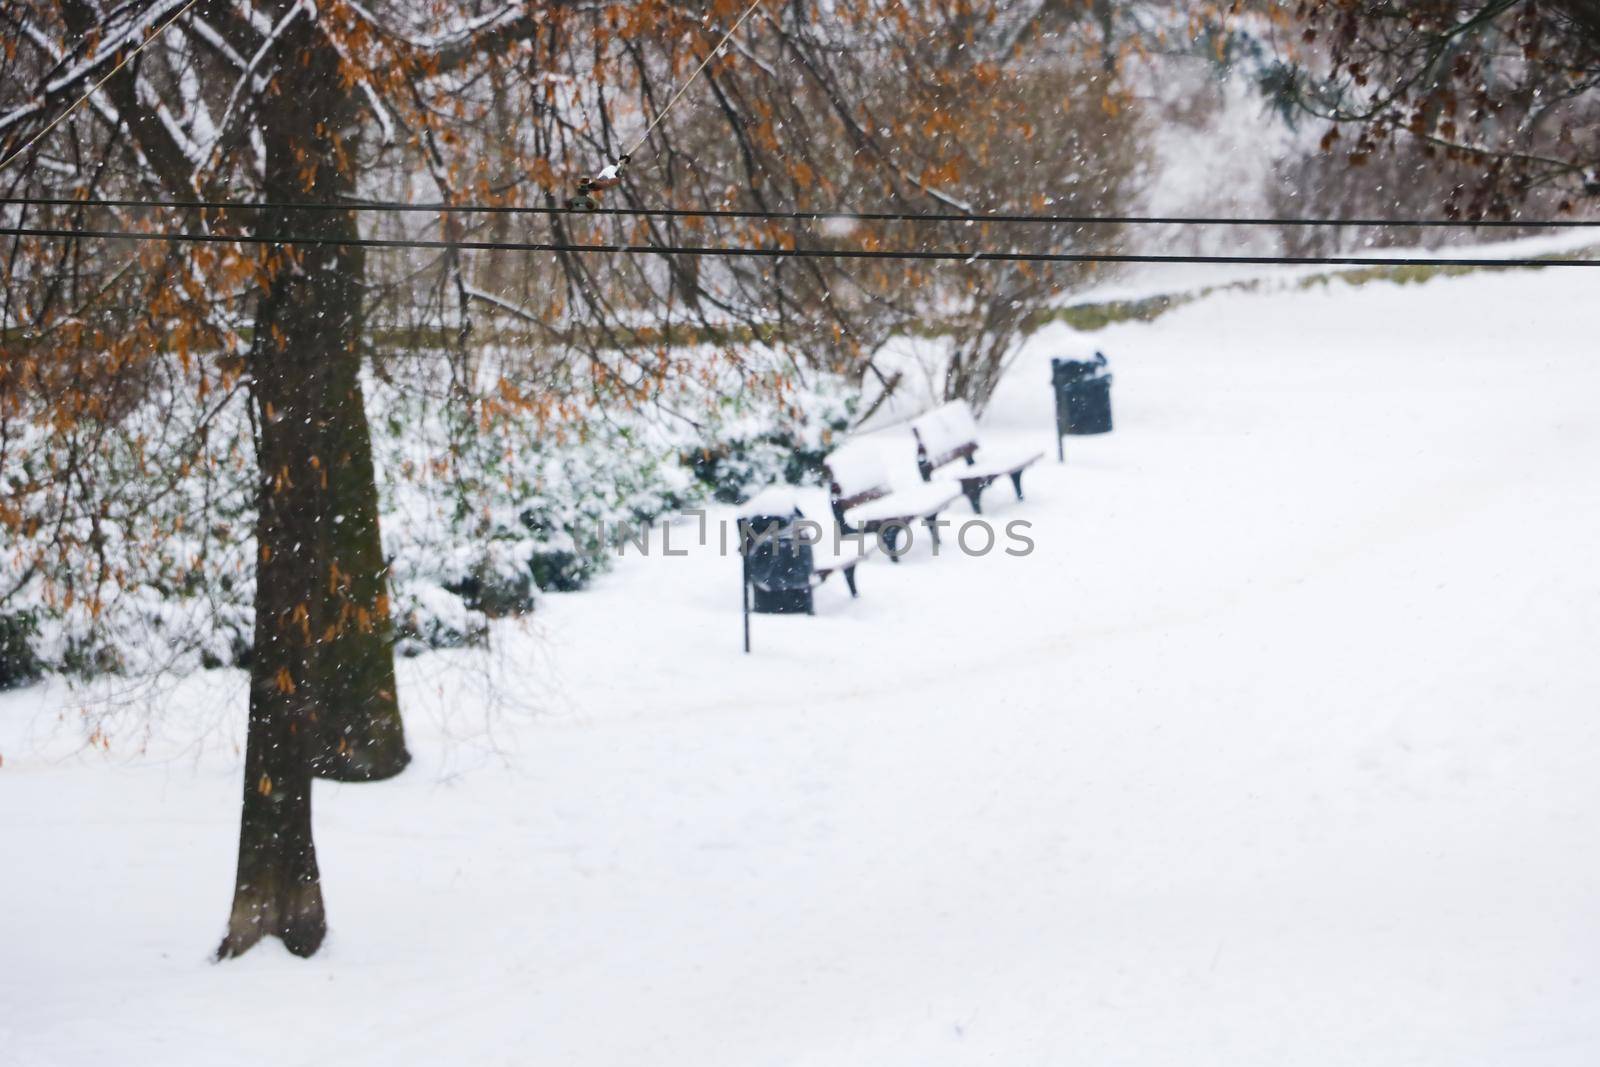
(1064, 370)
(773, 500)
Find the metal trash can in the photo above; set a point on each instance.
(777, 564)
(1083, 398)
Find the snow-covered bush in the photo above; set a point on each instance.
(19, 664)
(482, 511)
(483, 508)
(749, 444)
(143, 562)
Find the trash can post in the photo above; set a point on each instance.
(744, 583)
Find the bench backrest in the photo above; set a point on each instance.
(944, 435)
(855, 476)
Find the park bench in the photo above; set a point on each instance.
(949, 433)
(865, 503)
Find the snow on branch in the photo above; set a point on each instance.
(97, 101)
(379, 110)
(248, 79)
(149, 99)
(107, 50)
(505, 305)
(202, 29)
(452, 37)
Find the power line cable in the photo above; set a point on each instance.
(938, 255)
(398, 207)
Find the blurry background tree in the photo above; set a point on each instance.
(1494, 95)
(956, 108)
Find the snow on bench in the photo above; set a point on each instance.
(864, 502)
(949, 433)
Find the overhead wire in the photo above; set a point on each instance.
(939, 255)
(401, 207)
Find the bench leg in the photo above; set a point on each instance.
(891, 542)
(973, 489)
(932, 523)
(850, 580)
(1016, 480)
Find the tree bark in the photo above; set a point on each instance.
(322, 634)
(322, 684)
(278, 892)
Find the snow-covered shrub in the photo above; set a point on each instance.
(483, 508)
(489, 505)
(19, 664)
(751, 445)
(143, 562)
(429, 616)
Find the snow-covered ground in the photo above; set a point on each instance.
(1280, 748)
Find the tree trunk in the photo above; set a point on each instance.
(277, 892)
(981, 352)
(322, 685)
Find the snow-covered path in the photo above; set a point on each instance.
(1279, 749)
